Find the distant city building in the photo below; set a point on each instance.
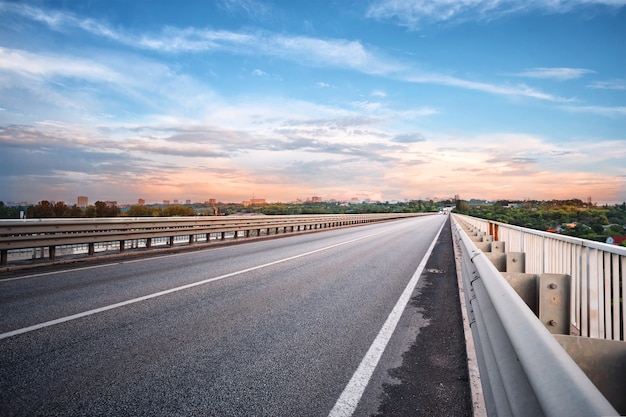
(166, 202)
(212, 201)
(254, 201)
(315, 199)
(175, 201)
(83, 201)
(187, 201)
(111, 203)
(141, 202)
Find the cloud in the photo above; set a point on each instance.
(259, 73)
(311, 51)
(35, 66)
(256, 10)
(554, 73)
(321, 84)
(303, 50)
(521, 90)
(608, 111)
(415, 14)
(619, 84)
(409, 138)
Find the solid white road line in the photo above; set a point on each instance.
(351, 395)
(170, 291)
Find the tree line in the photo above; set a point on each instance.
(570, 217)
(47, 209)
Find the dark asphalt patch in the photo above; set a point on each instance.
(433, 378)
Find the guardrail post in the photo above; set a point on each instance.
(91, 249)
(554, 302)
(52, 253)
(515, 262)
(122, 246)
(148, 243)
(4, 257)
(170, 241)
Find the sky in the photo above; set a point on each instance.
(387, 100)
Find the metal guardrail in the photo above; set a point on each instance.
(598, 272)
(53, 233)
(524, 370)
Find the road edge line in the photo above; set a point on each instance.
(349, 399)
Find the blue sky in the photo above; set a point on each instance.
(381, 99)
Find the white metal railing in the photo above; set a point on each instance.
(524, 371)
(597, 271)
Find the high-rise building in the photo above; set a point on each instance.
(141, 202)
(83, 201)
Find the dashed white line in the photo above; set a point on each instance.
(170, 291)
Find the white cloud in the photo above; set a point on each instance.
(617, 111)
(619, 84)
(379, 93)
(415, 14)
(367, 105)
(259, 73)
(321, 84)
(337, 53)
(251, 8)
(554, 73)
(38, 65)
(506, 90)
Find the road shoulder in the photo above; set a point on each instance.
(433, 378)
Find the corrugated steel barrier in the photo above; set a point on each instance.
(524, 370)
(45, 236)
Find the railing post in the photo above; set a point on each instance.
(4, 257)
(52, 253)
(122, 246)
(91, 249)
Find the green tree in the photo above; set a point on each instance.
(101, 209)
(76, 211)
(61, 209)
(143, 211)
(171, 211)
(8, 212)
(43, 209)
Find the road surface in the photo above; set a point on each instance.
(342, 322)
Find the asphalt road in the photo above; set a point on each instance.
(281, 327)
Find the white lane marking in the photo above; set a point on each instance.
(43, 274)
(171, 290)
(351, 395)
